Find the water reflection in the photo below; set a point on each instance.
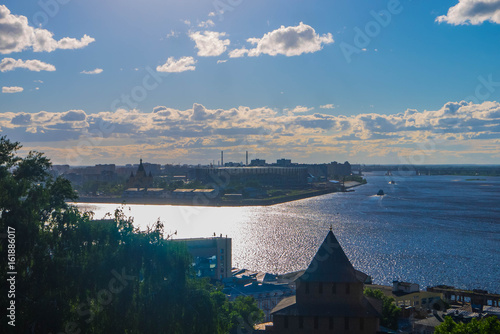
(428, 230)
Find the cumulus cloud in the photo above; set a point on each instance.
(472, 12)
(13, 89)
(455, 128)
(237, 53)
(9, 64)
(327, 106)
(175, 66)
(288, 41)
(16, 35)
(298, 109)
(96, 71)
(73, 116)
(209, 43)
(206, 24)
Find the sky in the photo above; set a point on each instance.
(398, 81)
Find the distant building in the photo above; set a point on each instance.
(408, 295)
(337, 170)
(286, 177)
(212, 256)
(233, 164)
(329, 298)
(284, 162)
(404, 287)
(140, 179)
(258, 162)
(331, 171)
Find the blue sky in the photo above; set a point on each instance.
(177, 81)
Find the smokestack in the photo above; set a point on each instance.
(247, 160)
(222, 158)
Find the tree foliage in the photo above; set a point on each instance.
(390, 312)
(79, 275)
(489, 325)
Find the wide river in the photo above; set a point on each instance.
(426, 229)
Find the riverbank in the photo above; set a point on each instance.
(205, 200)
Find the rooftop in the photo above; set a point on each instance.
(367, 307)
(330, 264)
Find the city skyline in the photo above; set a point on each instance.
(399, 82)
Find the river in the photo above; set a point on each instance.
(426, 229)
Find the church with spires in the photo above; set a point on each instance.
(329, 298)
(140, 179)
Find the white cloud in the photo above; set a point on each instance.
(220, 61)
(39, 81)
(172, 33)
(237, 53)
(298, 109)
(175, 66)
(96, 71)
(206, 24)
(209, 43)
(327, 106)
(472, 12)
(9, 64)
(455, 128)
(73, 43)
(12, 89)
(16, 35)
(288, 41)
(211, 14)
(187, 22)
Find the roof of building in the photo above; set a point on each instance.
(368, 307)
(204, 190)
(256, 288)
(144, 189)
(135, 189)
(183, 190)
(408, 284)
(262, 326)
(432, 321)
(493, 310)
(330, 264)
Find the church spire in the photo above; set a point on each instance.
(141, 168)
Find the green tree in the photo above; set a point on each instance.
(245, 314)
(79, 275)
(489, 325)
(390, 312)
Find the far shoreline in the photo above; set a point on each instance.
(205, 201)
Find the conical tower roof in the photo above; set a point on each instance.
(330, 264)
